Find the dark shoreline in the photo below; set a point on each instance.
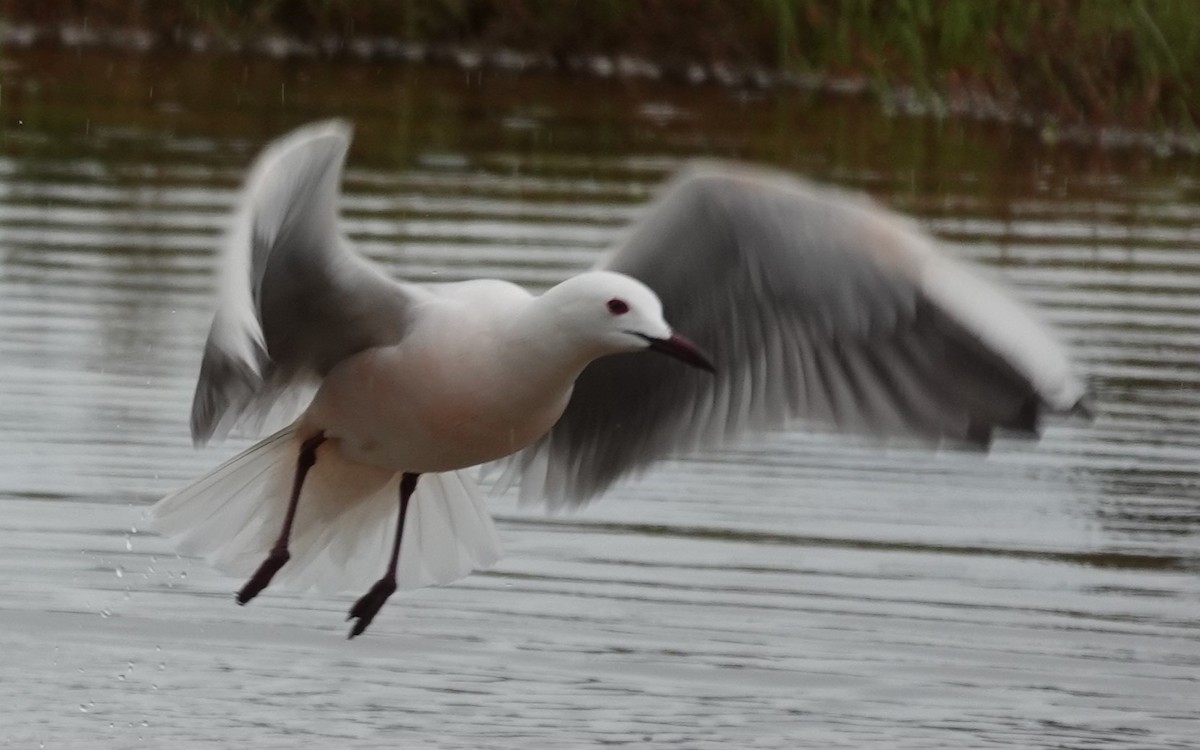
(1090, 111)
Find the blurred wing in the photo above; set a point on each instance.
(294, 300)
(812, 304)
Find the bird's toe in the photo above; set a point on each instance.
(365, 609)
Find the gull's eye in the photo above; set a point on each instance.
(618, 306)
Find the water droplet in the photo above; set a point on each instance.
(183, 574)
(120, 572)
(83, 708)
(133, 530)
(105, 613)
(121, 677)
(128, 545)
(162, 665)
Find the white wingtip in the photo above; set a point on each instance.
(261, 207)
(1008, 327)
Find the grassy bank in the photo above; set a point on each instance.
(1049, 63)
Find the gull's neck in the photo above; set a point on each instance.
(542, 341)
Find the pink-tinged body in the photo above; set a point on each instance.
(457, 391)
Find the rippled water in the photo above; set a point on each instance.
(804, 591)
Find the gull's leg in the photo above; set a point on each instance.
(279, 552)
(368, 606)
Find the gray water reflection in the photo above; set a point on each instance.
(806, 590)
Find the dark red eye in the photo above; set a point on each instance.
(618, 306)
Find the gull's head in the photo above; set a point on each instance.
(609, 313)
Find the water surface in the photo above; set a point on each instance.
(806, 590)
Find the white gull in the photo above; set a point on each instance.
(805, 304)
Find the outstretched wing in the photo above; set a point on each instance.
(812, 304)
(294, 299)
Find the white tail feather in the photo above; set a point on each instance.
(345, 520)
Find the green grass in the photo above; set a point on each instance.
(1133, 63)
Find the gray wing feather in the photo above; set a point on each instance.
(811, 304)
(294, 299)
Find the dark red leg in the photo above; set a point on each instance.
(369, 605)
(279, 552)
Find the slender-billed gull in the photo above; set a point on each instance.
(804, 303)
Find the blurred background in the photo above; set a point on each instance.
(808, 589)
(1077, 65)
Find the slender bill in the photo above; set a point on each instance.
(681, 349)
